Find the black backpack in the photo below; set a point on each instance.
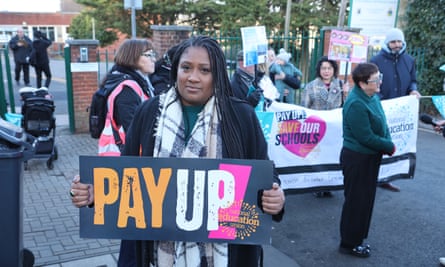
(98, 107)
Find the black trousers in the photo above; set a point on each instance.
(360, 172)
(18, 69)
(45, 69)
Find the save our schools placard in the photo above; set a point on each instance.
(183, 199)
(305, 144)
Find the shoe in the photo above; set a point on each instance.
(28, 85)
(442, 261)
(17, 82)
(358, 251)
(390, 187)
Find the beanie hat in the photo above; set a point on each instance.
(394, 35)
(283, 55)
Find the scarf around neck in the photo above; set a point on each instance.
(204, 142)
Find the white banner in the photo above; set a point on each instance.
(305, 144)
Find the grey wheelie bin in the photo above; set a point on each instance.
(14, 149)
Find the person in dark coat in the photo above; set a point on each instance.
(366, 138)
(21, 47)
(399, 74)
(160, 79)
(398, 68)
(39, 58)
(198, 118)
(243, 82)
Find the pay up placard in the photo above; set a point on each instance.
(195, 200)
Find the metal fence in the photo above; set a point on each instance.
(304, 48)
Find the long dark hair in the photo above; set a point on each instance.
(230, 126)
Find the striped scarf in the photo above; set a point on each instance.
(204, 142)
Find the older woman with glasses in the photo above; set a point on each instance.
(366, 139)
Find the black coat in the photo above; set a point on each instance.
(39, 55)
(127, 101)
(140, 141)
(21, 53)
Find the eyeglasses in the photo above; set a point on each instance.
(149, 54)
(378, 80)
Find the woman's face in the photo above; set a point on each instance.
(326, 71)
(146, 63)
(373, 84)
(194, 79)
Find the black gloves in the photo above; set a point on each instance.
(254, 97)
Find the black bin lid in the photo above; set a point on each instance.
(12, 139)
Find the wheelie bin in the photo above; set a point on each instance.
(14, 149)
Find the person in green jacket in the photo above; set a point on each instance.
(366, 139)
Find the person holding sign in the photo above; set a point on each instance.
(324, 93)
(198, 118)
(366, 139)
(243, 82)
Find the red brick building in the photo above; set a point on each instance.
(55, 25)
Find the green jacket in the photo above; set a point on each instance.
(364, 124)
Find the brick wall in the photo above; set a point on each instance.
(166, 36)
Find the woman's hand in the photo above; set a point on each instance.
(280, 76)
(415, 93)
(81, 194)
(273, 200)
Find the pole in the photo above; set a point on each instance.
(340, 24)
(133, 20)
(341, 14)
(287, 23)
(93, 25)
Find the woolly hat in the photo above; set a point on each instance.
(394, 35)
(283, 55)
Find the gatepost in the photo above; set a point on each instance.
(166, 36)
(83, 70)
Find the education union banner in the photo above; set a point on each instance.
(305, 144)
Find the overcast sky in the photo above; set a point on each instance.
(30, 5)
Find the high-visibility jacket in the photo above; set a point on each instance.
(112, 139)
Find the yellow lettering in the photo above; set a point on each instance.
(131, 186)
(156, 192)
(100, 198)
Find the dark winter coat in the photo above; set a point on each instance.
(21, 53)
(127, 101)
(140, 141)
(39, 55)
(399, 73)
(160, 79)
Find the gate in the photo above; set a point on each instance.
(5, 71)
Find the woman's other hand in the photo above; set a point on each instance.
(81, 194)
(273, 200)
